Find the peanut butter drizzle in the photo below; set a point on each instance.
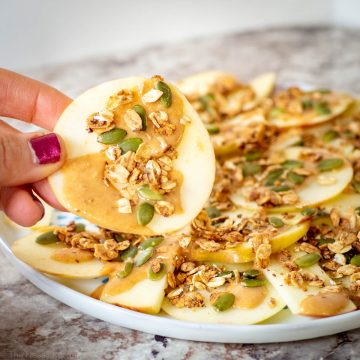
(85, 191)
(326, 304)
(72, 255)
(248, 298)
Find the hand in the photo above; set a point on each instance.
(26, 160)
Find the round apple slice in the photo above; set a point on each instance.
(161, 120)
(57, 259)
(324, 184)
(346, 203)
(270, 304)
(294, 107)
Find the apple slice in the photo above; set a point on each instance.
(346, 203)
(336, 104)
(81, 265)
(294, 230)
(294, 296)
(87, 195)
(235, 315)
(315, 190)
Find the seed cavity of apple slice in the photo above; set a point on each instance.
(312, 192)
(41, 258)
(195, 160)
(236, 316)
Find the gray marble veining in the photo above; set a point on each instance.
(35, 326)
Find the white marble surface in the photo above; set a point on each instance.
(34, 326)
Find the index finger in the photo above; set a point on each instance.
(29, 100)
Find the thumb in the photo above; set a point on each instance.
(27, 158)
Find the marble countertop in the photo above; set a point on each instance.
(35, 326)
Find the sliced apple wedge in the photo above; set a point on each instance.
(315, 111)
(294, 230)
(346, 203)
(295, 296)
(57, 259)
(271, 304)
(79, 184)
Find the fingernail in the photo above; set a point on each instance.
(46, 149)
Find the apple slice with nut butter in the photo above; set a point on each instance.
(139, 158)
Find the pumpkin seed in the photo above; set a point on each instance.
(143, 256)
(47, 238)
(154, 276)
(213, 212)
(224, 301)
(129, 253)
(144, 213)
(225, 273)
(355, 260)
(276, 222)
(206, 100)
(166, 97)
(322, 108)
(323, 241)
(308, 211)
(295, 178)
(330, 136)
(253, 282)
(146, 193)
(212, 129)
(272, 176)
(307, 260)
(112, 136)
(300, 142)
(142, 113)
(280, 188)
(118, 238)
(251, 274)
(151, 241)
(329, 164)
(292, 164)
(253, 155)
(274, 112)
(323, 91)
(356, 186)
(307, 104)
(79, 227)
(126, 270)
(130, 144)
(251, 168)
(357, 210)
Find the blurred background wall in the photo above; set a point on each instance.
(45, 32)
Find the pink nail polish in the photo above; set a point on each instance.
(46, 149)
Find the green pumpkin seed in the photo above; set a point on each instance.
(251, 168)
(330, 164)
(323, 91)
(142, 113)
(280, 188)
(79, 227)
(225, 273)
(113, 136)
(129, 253)
(212, 129)
(151, 241)
(253, 155)
(47, 238)
(224, 302)
(276, 222)
(251, 274)
(292, 164)
(166, 97)
(307, 104)
(213, 212)
(206, 100)
(356, 186)
(330, 136)
(295, 178)
(307, 260)
(349, 134)
(253, 282)
(324, 241)
(144, 213)
(146, 193)
(126, 270)
(308, 211)
(118, 237)
(143, 256)
(322, 108)
(130, 144)
(274, 112)
(357, 210)
(155, 276)
(355, 260)
(272, 176)
(298, 143)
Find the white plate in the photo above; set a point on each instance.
(282, 327)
